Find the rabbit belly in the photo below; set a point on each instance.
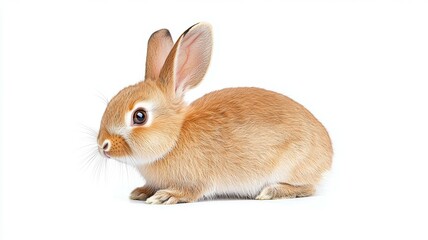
(248, 186)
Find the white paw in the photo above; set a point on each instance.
(162, 197)
(153, 200)
(265, 195)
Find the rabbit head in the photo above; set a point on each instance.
(142, 123)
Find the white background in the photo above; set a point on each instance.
(360, 66)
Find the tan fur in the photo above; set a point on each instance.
(244, 142)
(159, 46)
(284, 190)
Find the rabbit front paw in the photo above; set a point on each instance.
(167, 196)
(142, 193)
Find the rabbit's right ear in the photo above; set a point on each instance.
(158, 48)
(188, 61)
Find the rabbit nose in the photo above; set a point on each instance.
(106, 147)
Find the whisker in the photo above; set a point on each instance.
(106, 161)
(88, 131)
(89, 145)
(90, 136)
(102, 97)
(126, 170)
(90, 160)
(98, 168)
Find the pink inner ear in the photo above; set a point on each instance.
(181, 71)
(163, 51)
(159, 46)
(189, 56)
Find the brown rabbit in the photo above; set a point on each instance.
(245, 142)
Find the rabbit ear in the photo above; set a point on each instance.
(188, 60)
(158, 48)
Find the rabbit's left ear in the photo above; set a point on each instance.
(158, 48)
(188, 60)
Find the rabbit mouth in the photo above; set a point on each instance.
(104, 154)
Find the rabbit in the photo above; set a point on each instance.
(243, 142)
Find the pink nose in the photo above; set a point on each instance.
(106, 148)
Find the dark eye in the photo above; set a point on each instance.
(140, 116)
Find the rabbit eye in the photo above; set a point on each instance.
(140, 117)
